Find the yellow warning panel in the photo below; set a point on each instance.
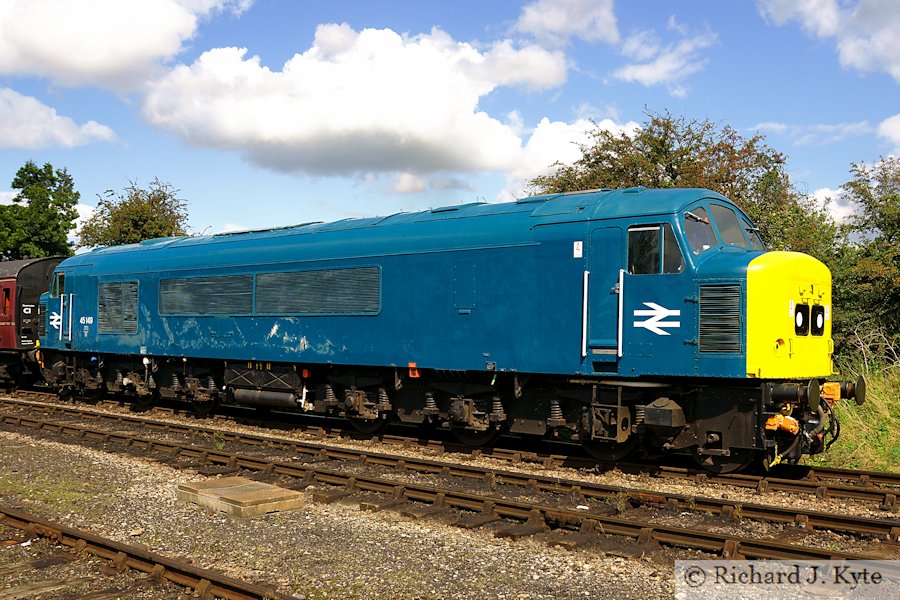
(788, 317)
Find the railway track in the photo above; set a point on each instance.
(120, 558)
(550, 510)
(880, 487)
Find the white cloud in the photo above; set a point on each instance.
(771, 126)
(554, 142)
(84, 213)
(673, 25)
(531, 66)
(889, 129)
(817, 134)
(641, 46)
(355, 102)
(6, 198)
(554, 22)
(818, 17)
(451, 183)
(836, 202)
(112, 43)
(658, 64)
(407, 183)
(866, 32)
(28, 123)
(233, 227)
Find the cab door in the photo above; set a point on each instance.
(658, 307)
(601, 341)
(59, 312)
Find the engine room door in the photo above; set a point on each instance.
(607, 249)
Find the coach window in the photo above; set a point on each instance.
(7, 303)
(653, 249)
(699, 232)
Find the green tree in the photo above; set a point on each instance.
(135, 215)
(868, 277)
(38, 221)
(673, 151)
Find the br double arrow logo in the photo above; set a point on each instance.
(657, 318)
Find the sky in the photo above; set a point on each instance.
(265, 113)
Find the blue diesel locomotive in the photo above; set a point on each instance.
(636, 321)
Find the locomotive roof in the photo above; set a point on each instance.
(573, 206)
(12, 268)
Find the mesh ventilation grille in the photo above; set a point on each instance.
(227, 295)
(720, 319)
(333, 291)
(117, 307)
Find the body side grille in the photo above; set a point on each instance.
(720, 319)
(117, 307)
(355, 290)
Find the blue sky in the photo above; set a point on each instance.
(270, 112)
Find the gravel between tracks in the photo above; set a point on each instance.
(614, 477)
(321, 551)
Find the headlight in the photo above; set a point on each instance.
(801, 319)
(817, 320)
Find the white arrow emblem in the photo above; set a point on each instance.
(657, 315)
(55, 320)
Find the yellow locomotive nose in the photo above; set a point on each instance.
(788, 317)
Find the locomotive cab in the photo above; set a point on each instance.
(727, 345)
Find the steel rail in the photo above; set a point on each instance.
(866, 487)
(865, 477)
(509, 508)
(122, 556)
(885, 528)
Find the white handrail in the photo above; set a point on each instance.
(71, 306)
(584, 315)
(621, 307)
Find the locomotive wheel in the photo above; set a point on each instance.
(204, 409)
(370, 426)
(738, 460)
(92, 396)
(144, 403)
(611, 451)
(476, 439)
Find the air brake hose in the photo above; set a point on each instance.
(818, 429)
(821, 425)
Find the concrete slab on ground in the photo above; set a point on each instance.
(239, 496)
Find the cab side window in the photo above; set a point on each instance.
(653, 249)
(643, 250)
(756, 242)
(58, 285)
(672, 260)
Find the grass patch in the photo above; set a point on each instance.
(869, 433)
(62, 496)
